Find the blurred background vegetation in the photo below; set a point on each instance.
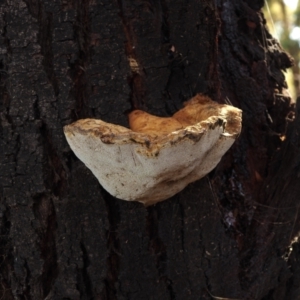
(283, 19)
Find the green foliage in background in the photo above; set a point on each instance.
(284, 24)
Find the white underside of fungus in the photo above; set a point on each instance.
(159, 158)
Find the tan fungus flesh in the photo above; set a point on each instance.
(197, 109)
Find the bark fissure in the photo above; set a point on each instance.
(113, 259)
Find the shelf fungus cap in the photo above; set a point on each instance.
(157, 157)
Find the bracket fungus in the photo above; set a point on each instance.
(157, 157)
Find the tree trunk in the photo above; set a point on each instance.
(230, 235)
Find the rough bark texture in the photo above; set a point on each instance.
(62, 236)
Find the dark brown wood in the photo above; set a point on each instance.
(231, 235)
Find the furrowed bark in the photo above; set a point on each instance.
(63, 236)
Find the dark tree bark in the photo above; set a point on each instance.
(231, 235)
